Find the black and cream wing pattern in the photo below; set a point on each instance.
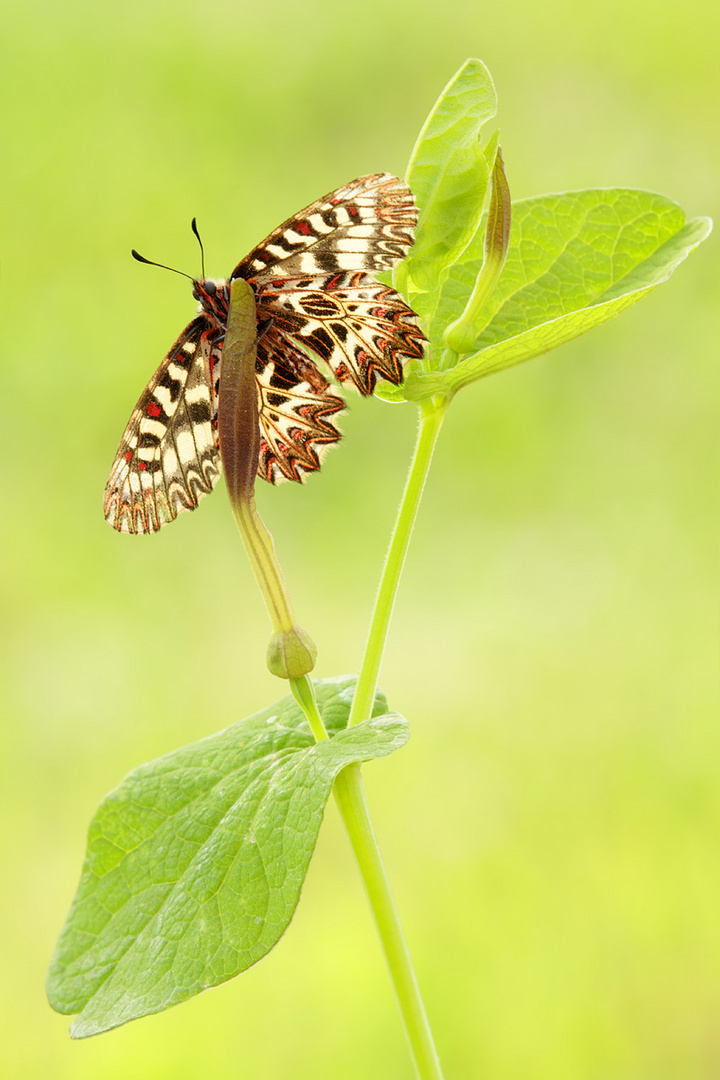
(316, 300)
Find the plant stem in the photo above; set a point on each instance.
(260, 551)
(304, 693)
(348, 788)
(431, 418)
(350, 798)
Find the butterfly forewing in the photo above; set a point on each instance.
(365, 225)
(167, 459)
(315, 298)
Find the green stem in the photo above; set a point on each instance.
(291, 651)
(431, 418)
(348, 788)
(260, 551)
(350, 799)
(304, 693)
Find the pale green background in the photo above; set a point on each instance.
(551, 830)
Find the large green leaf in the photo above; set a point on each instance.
(448, 175)
(575, 260)
(196, 861)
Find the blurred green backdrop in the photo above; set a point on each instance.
(551, 830)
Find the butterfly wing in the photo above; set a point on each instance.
(295, 406)
(167, 458)
(366, 225)
(361, 329)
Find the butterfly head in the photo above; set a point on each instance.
(213, 297)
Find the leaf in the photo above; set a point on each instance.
(196, 861)
(575, 260)
(448, 175)
(389, 392)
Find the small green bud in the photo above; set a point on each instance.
(291, 653)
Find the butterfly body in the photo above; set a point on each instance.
(314, 298)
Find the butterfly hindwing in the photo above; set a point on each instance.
(295, 408)
(167, 458)
(361, 329)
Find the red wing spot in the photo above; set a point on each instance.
(302, 227)
(142, 465)
(352, 211)
(153, 410)
(181, 357)
(128, 455)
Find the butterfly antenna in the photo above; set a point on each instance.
(193, 226)
(149, 262)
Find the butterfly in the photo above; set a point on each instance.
(314, 299)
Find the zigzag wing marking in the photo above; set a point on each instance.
(295, 406)
(362, 329)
